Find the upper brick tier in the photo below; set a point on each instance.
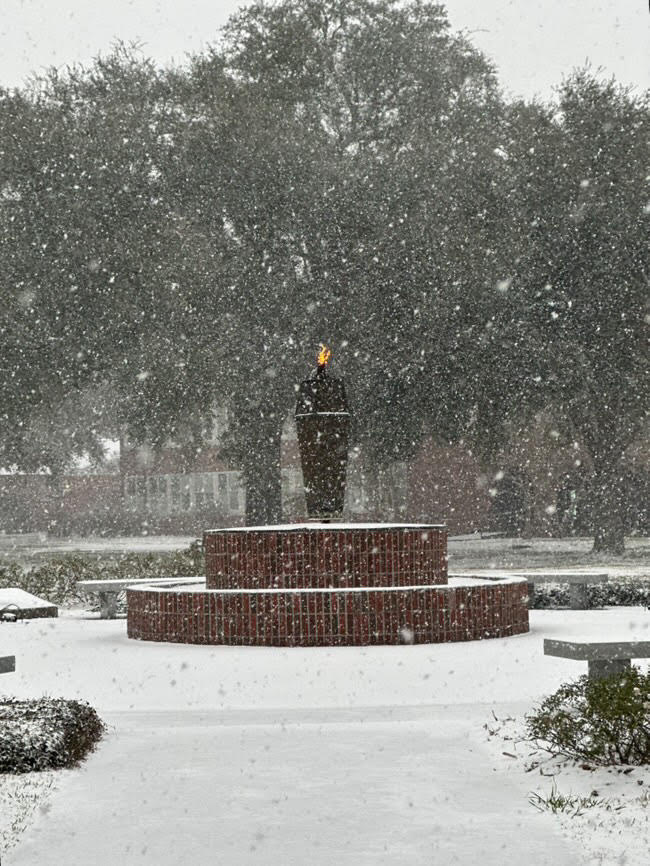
(326, 555)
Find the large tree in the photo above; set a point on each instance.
(343, 148)
(571, 323)
(90, 252)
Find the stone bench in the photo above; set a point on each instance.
(603, 658)
(578, 584)
(109, 590)
(7, 664)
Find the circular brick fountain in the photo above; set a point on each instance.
(327, 585)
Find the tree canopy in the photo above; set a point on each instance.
(338, 170)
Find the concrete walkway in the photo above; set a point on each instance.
(360, 787)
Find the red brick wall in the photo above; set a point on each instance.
(41, 502)
(323, 557)
(26, 502)
(172, 461)
(328, 586)
(83, 492)
(445, 485)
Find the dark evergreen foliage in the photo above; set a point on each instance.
(630, 592)
(328, 170)
(46, 734)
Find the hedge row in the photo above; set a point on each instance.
(626, 592)
(56, 579)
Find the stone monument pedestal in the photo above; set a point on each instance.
(328, 585)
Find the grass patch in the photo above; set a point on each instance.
(570, 804)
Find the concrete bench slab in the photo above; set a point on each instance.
(578, 582)
(109, 591)
(7, 664)
(603, 658)
(573, 578)
(16, 603)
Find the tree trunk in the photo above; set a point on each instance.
(263, 476)
(608, 511)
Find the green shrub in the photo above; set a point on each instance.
(602, 721)
(46, 734)
(56, 579)
(622, 592)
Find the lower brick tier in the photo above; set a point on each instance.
(470, 609)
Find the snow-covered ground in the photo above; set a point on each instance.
(97, 544)
(358, 756)
(474, 551)
(465, 551)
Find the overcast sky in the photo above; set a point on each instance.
(533, 42)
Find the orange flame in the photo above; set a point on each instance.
(324, 355)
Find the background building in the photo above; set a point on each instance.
(538, 485)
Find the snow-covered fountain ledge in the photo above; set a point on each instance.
(328, 585)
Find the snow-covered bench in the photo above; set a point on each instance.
(109, 590)
(7, 664)
(603, 658)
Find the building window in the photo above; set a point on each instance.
(163, 500)
(222, 490)
(186, 494)
(233, 498)
(203, 490)
(220, 424)
(181, 493)
(229, 492)
(175, 492)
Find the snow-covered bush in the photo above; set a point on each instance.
(55, 580)
(602, 721)
(620, 592)
(624, 592)
(10, 574)
(46, 734)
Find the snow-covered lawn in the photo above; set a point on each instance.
(473, 551)
(12, 546)
(292, 756)
(465, 551)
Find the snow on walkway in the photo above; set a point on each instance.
(173, 788)
(93, 660)
(293, 756)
